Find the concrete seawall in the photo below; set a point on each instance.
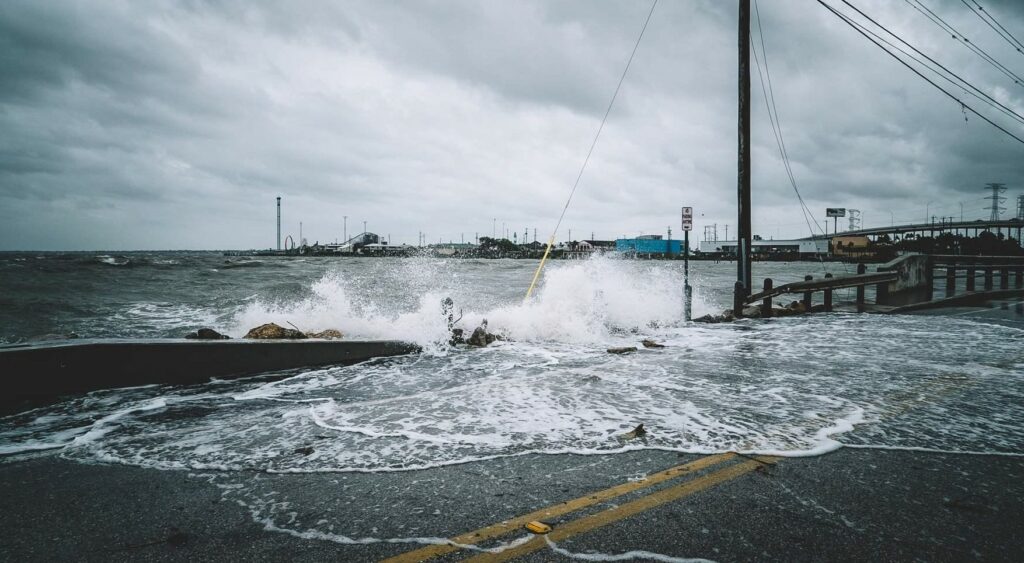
(37, 372)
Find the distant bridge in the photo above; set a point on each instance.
(977, 226)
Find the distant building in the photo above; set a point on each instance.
(452, 248)
(591, 246)
(648, 245)
(850, 245)
(803, 248)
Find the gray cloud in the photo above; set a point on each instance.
(175, 124)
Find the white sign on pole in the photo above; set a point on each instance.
(687, 218)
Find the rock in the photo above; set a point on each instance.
(479, 337)
(458, 337)
(752, 311)
(271, 331)
(329, 334)
(725, 317)
(304, 450)
(638, 432)
(622, 350)
(652, 344)
(207, 334)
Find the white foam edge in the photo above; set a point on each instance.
(635, 554)
(930, 450)
(270, 526)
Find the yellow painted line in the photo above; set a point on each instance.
(566, 507)
(605, 517)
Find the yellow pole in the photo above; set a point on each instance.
(540, 266)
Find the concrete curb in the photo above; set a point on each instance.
(44, 370)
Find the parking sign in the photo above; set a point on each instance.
(687, 218)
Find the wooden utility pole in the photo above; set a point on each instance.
(743, 185)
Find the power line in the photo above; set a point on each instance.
(959, 37)
(605, 118)
(963, 105)
(592, 145)
(959, 82)
(773, 118)
(1001, 31)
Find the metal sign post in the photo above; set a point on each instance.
(687, 290)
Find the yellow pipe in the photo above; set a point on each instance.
(540, 266)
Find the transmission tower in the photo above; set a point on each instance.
(1020, 207)
(997, 199)
(854, 219)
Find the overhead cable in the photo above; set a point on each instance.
(986, 16)
(959, 37)
(593, 144)
(959, 82)
(878, 44)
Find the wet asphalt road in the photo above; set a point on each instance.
(851, 505)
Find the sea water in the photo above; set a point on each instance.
(791, 386)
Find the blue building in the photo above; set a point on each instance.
(649, 245)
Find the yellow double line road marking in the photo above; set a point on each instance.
(595, 520)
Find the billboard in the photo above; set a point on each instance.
(687, 218)
(835, 212)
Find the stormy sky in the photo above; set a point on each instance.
(174, 125)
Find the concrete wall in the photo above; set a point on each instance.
(914, 284)
(38, 371)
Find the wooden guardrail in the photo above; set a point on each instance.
(1008, 268)
(809, 287)
(905, 282)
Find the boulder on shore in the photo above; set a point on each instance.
(725, 317)
(622, 350)
(638, 432)
(329, 334)
(206, 334)
(480, 337)
(271, 331)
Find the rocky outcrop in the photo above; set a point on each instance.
(481, 337)
(638, 432)
(206, 334)
(329, 334)
(725, 317)
(622, 350)
(271, 331)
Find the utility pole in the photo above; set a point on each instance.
(279, 222)
(364, 227)
(743, 275)
(727, 232)
(668, 243)
(494, 228)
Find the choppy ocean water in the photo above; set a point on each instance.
(793, 387)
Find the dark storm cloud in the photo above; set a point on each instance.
(175, 124)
